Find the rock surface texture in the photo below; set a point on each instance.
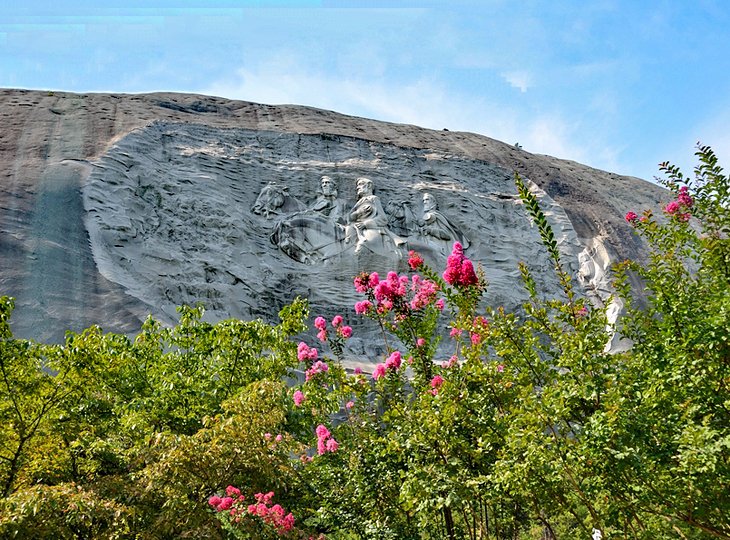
(113, 207)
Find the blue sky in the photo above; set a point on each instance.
(617, 84)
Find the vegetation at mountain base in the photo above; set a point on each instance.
(532, 428)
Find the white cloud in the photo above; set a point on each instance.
(424, 102)
(521, 80)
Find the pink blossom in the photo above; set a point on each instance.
(631, 217)
(304, 352)
(459, 270)
(349, 404)
(672, 207)
(394, 361)
(298, 398)
(436, 383)
(225, 504)
(267, 436)
(582, 311)
(332, 445)
(322, 431)
(373, 279)
(476, 339)
(321, 446)
(317, 367)
(684, 197)
(420, 342)
(451, 362)
(455, 332)
(361, 283)
(415, 261)
(345, 331)
(320, 323)
(500, 368)
(363, 307)
(379, 371)
(279, 438)
(337, 321)
(440, 304)
(232, 491)
(322, 336)
(214, 501)
(358, 370)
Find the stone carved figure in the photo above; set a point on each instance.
(435, 225)
(368, 223)
(400, 218)
(315, 233)
(325, 229)
(275, 200)
(327, 202)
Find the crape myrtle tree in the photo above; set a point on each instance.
(527, 429)
(531, 429)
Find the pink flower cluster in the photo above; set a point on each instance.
(305, 352)
(631, 217)
(392, 363)
(361, 308)
(680, 207)
(415, 261)
(298, 398)
(451, 362)
(480, 325)
(320, 323)
(366, 282)
(424, 293)
(317, 367)
(325, 442)
(273, 515)
(459, 270)
(436, 383)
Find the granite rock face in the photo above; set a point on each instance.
(116, 206)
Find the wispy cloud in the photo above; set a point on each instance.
(521, 80)
(426, 102)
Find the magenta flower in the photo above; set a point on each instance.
(320, 323)
(436, 383)
(350, 404)
(459, 270)
(214, 501)
(225, 504)
(379, 371)
(631, 217)
(337, 321)
(345, 331)
(420, 342)
(304, 352)
(358, 370)
(476, 339)
(500, 368)
(317, 367)
(415, 261)
(298, 398)
(322, 336)
(232, 491)
(394, 361)
(451, 362)
(672, 208)
(322, 431)
(440, 304)
(363, 307)
(332, 445)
